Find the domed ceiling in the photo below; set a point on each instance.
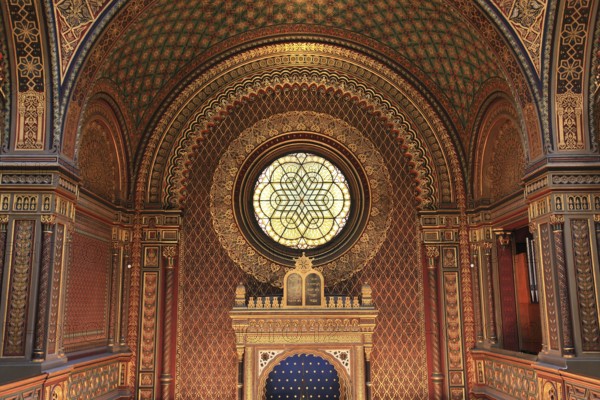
(170, 35)
(150, 49)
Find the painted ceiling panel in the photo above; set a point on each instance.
(170, 34)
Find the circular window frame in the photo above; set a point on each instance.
(322, 146)
(256, 140)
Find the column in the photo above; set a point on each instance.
(41, 320)
(3, 227)
(557, 223)
(491, 309)
(437, 377)
(166, 379)
(126, 278)
(476, 293)
(115, 306)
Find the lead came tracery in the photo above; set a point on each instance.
(301, 200)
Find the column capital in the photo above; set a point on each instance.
(432, 251)
(503, 237)
(487, 247)
(557, 219)
(170, 252)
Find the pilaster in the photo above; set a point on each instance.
(160, 236)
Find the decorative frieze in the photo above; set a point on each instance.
(26, 179)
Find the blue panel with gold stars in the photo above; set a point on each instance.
(303, 377)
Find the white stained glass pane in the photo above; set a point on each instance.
(301, 200)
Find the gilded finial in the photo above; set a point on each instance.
(303, 263)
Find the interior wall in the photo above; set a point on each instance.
(206, 358)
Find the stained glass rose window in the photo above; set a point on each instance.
(301, 200)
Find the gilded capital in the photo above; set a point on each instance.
(3, 219)
(487, 247)
(432, 251)
(533, 227)
(596, 217)
(48, 219)
(557, 219)
(170, 252)
(503, 238)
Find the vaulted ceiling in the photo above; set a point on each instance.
(142, 52)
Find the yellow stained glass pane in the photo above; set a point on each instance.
(301, 200)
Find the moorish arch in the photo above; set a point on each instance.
(348, 74)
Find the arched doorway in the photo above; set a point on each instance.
(303, 376)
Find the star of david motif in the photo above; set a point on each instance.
(302, 200)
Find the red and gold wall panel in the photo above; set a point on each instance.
(87, 297)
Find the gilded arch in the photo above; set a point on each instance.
(345, 385)
(424, 137)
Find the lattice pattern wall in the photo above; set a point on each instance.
(87, 299)
(206, 359)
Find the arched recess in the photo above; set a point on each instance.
(102, 155)
(423, 136)
(499, 158)
(345, 384)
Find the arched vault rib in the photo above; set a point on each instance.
(425, 139)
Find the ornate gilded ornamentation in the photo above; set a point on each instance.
(512, 380)
(41, 322)
(454, 347)
(507, 164)
(29, 57)
(94, 382)
(490, 304)
(527, 18)
(584, 280)
(171, 137)
(235, 242)
(74, 19)
(97, 161)
(148, 321)
(56, 288)
(15, 328)
(570, 75)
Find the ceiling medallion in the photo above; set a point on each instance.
(301, 182)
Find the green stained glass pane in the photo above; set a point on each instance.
(301, 200)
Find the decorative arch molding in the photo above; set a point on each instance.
(499, 130)
(345, 385)
(102, 132)
(498, 102)
(323, 67)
